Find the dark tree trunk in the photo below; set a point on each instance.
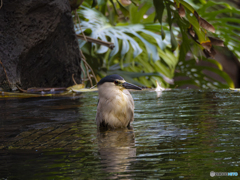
(38, 45)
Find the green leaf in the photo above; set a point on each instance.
(169, 14)
(185, 45)
(222, 74)
(134, 3)
(139, 11)
(169, 60)
(174, 42)
(114, 7)
(163, 33)
(123, 9)
(197, 74)
(157, 37)
(94, 3)
(202, 38)
(162, 69)
(214, 62)
(187, 6)
(159, 8)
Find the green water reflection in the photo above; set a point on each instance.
(180, 134)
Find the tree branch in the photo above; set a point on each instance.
(97, 41)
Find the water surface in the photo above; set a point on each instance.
(176, 134)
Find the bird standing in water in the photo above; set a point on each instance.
(115, 106)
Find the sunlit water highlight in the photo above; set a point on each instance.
(180, 134)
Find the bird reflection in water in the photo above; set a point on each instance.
(117, 150)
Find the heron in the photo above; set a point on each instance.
(115, 105)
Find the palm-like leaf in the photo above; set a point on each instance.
(140, 55)
(197, 74)
(137, 41)
(101, 29)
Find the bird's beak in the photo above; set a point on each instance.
(130, 86)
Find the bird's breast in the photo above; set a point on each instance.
(117, 111)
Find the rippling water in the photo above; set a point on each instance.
(176, 134)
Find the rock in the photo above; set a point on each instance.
(38, 45)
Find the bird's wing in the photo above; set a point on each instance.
(129, 97)
(131, 105)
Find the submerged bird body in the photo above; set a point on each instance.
(116, 106)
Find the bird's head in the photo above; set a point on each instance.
(115, 81)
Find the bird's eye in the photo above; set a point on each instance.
(116, 82)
